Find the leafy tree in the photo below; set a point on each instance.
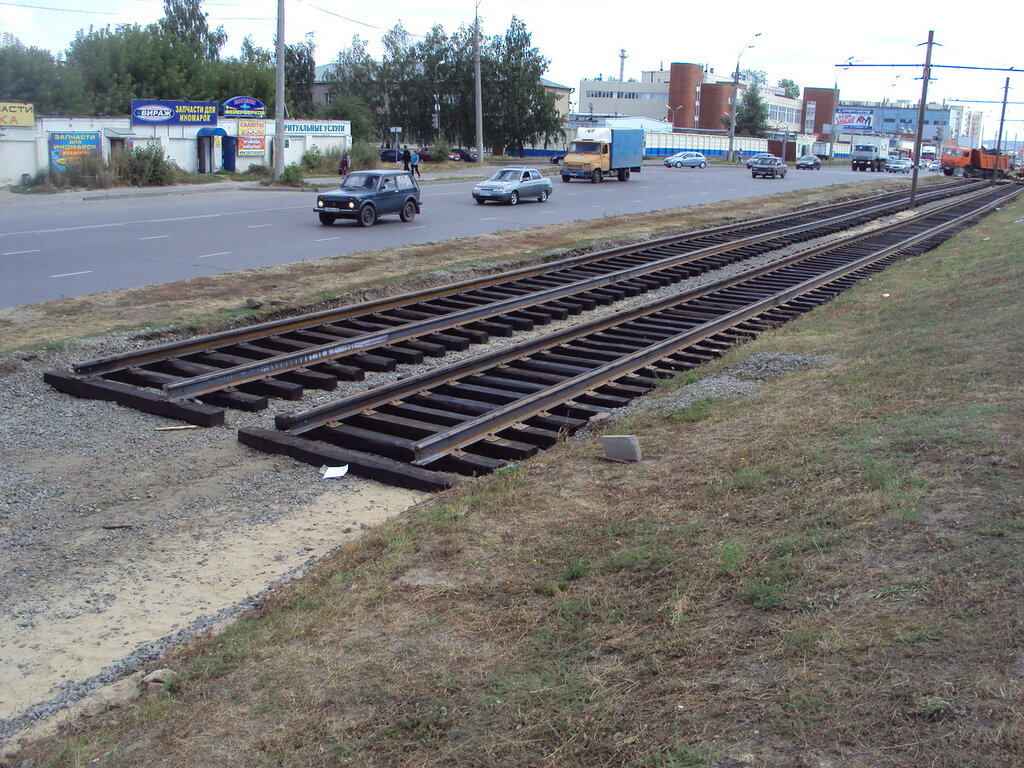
(353, 109)
(185, 20)
(756, 76)
(33, 75)
(523, 111)
(790, 87)
(299, 75)
(752, 113)
(253, 54)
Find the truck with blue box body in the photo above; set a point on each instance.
(600, 152)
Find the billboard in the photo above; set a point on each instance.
(17, 114)
(252, 137)
(69, 147)
(853, 119)
(174, 112)
(244, 106)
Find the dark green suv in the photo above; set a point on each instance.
(367, 195)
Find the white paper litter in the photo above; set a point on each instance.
(329, 472)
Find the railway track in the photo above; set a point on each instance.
(195, 380)
(431, 430)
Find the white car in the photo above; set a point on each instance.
(688, 159)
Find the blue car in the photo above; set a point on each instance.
(391, 155)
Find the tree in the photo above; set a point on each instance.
(34, 76)
(752, 113)
(355, 110)
(791, 88)
(253, 54)
(185, 20)
(756, 76)
(299, 75)
(523, 110)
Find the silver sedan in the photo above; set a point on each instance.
(510, 185)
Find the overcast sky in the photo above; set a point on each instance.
(582, 39)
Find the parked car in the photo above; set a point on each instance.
(510, 185)
(367, 195)
(463, 155)
(754, 158)
(688, 159)
(557, 158)
(768, 167)
(391, 155)
(810, 162)
(426, 154)
(934, 165)
(899, 165)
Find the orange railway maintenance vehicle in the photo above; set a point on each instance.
(983, 163)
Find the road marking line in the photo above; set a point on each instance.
(219, 253)
(490, 218)
(418, 226)
(71, 274)
(18, 253)
(638, 201)
(154, 237)
(325, 239)
(257, 226)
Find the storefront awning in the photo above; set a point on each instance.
(210, 130)
(119, 133)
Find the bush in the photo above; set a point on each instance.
(313, 158)
(293, 174)
(146, 166)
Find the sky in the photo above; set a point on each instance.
(582, 39)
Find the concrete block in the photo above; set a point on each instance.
(621, 447)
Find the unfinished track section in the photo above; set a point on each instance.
(195, 380)
(432, 430)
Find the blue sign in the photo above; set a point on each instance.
(174, 112)
(69, 147)
(244, 106)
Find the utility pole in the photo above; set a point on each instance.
(920, 115)
(999, 137)
(479, 88)
(279, 97)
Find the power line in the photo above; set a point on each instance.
(62, 10)
(934, 66)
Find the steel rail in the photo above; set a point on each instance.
(99, 366)
(431, 449)
(288, 361)
(339, 410)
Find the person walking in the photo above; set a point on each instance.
(406, 157)
(414, 163)
(343, 165)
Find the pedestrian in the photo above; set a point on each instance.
(414, 162)
(343, 165)
(406, 157)
(739, 157)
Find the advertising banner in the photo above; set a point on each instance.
(332, 127)
(252, 128)
(68, 147)
(174, 112)
(856, 119)
(243, 106)
(17, 114)
(251, 145)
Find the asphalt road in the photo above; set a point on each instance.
(64, 246)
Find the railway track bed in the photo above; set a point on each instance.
(431, 430)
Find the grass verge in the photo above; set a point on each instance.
(826, 575)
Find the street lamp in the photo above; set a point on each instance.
(735, 91)
(672, 114)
